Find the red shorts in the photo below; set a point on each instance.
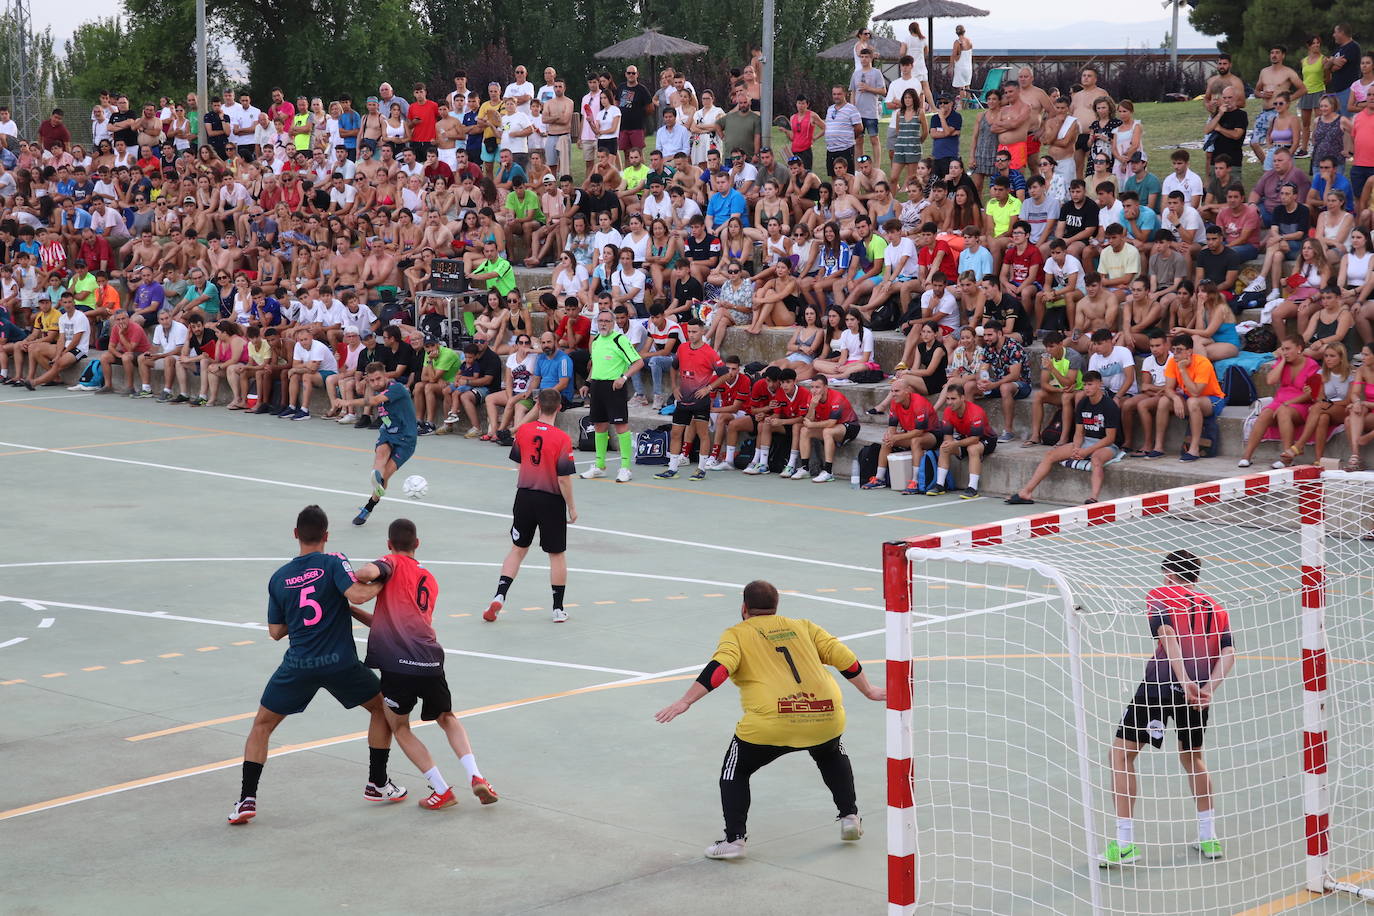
(1032, 147)
(1018, 153)
(631, 139)
(945, 331)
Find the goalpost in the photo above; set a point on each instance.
(1013, 649)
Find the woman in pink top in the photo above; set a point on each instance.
(1362, 160)
(1297, 378)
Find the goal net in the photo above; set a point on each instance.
(1015, 648)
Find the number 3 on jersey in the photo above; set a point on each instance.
(307, 602)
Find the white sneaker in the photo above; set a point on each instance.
(1274, 295)
(723, 850)
(756, 469)
(451, 419)
(347, 418)
(787, 472)
(801, 474)
(593, 472)
(851, 828)
(560, 615)
(624, 476)
(721, 465)
(823, 477)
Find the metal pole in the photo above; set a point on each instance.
(202, 87)
(1173, 39)
(766, 89)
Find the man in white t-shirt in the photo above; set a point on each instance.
(311, 363)
(903, 272)
(73, 341)
(522, 90)
(333, 317)
(517, 129)
(1141, 406)
(657, 204)
(1182, 179)
(243, 125)
(356, 314)
(168, 338)
(1183, 221)
(8, 128)
(938, 305)
(1115, 363)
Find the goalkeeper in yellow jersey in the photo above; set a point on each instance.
(791, 703)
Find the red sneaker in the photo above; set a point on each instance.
(245, 811)
(484, 792)
(439, 800)
(489, 615)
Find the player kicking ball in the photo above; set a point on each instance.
(308, 601)
(402, 645)
(543, 503)
(1193, 655)
(790, 704)
(396, 444)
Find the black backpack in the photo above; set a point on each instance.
(586, 435)
(1261, 339)
(779, 452)
(868, 461)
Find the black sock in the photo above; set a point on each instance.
(252, 772)
(502, 586)
(376, 765)
(371, 504)
(827, 466)
(558, 591)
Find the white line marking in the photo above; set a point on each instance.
(162, 615)
(46, 397)
(948, 502)
(13, 642)
(31, 605)
(46, 622)
(809, 561)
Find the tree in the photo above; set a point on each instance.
(148, 53)
(1252, 27)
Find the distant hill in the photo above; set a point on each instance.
(997, 32)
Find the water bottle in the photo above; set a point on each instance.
(854, 475)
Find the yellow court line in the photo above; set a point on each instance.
(475, 464)
(191, 726)
(37, 451)
(308, 745)
(1295, 900)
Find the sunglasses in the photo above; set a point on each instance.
(862, 159)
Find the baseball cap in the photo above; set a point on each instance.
(188, 200)
(1139, 156)
(430, 339)
(549, 179)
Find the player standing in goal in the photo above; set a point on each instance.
(790, 704)
(402, 645)
(543, 503)
(396, 444)
(1194, 653)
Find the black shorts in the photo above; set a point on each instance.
(851, 432)
(846, 154)
(291, 687)
(402, 691)
(989, 446)
(1149, 713)
(1081, 144)
(545, 512)
(684, 414)
(607, 403)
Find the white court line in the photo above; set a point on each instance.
(12, 642)
(252, 625)
(45, 397)
(948, 502)
(46, 622)
(809, 561)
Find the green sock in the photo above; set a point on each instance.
(627, 448)
(603, 441)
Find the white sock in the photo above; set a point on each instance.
(794, 457)
(882, 473)
(1206, 825)
(147, 387)
(941, 476)
(761, 457)
(702, 458)
(973, 480)
(729, 454)
(1125, 831)
(436, 780)
(469, 763)
(166, 391)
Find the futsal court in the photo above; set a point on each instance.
(133, 650)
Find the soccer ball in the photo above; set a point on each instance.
(415, 487)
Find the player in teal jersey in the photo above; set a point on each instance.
(396, 443)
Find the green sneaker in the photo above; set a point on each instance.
(1210, 849)
(1117, 854)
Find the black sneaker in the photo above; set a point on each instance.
(376, 423)
(969, 493)
(180, 399)
(364, 422)
(424, 429)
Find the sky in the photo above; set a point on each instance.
(1112, 25)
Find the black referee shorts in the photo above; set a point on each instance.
(608, 404)
(546, 513)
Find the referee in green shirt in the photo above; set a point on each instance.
(614, 359)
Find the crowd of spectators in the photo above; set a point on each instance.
(290, 249)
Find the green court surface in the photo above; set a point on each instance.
(141, 552)
(133, 653)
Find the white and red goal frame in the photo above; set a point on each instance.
(902, 858)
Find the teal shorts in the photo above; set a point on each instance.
(292, 687)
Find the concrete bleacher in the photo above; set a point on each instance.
(1003, 473)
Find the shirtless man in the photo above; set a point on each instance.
(558, 115)
(367, 165)
(605, 167)
(146, 252)
(866, 178)
(448, 130)
(1040, 104)
(438, 237)
(1059, 137)
(1097, 309)
(1276, 78)
(380, 269)
(1011, 124)
(347, 265)
(174, 253)
(1218, 84)
(224, 256)
(939, 205)
(1081, 107)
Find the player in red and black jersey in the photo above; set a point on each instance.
(734, 394)
(911, 425)
(786, 411)
(402, 645)
(696, 367)
(966, 435)
(760, 409)
(1193, 654)
(831, 418)
(543, 502)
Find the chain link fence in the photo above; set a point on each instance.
(76, 114)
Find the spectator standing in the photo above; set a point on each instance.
(868, 88)
(1345, 67)
(636, 104)
(843, 128)
(1314, 82)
